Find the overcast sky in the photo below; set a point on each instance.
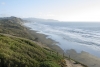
(63, 10)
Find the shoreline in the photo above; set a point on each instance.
(83, 57)
(48, 42)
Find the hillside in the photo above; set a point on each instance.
(13, 26)
(21, 52)
(18, 52)
(39, 20)
(19, 48)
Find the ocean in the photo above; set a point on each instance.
(80, 36)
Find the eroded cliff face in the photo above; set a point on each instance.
(84, 57)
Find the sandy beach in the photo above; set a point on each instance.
(83, 57)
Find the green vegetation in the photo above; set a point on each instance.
(18, 52)
(12, 26)
(17, 48)
(21, 52)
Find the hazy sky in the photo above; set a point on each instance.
(63, 10)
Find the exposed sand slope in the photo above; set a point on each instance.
(85, 58)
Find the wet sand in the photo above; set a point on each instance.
(83, 57)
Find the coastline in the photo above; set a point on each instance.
(83, 57)
(42, 38)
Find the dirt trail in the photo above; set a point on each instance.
(71, 63)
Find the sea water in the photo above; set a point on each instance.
(79, 36)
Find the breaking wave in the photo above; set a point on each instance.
(79, 39)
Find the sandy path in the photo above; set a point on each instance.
(71, 64)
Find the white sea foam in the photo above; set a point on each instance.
(70, 38)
